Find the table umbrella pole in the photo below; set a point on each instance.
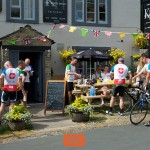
(90, 70)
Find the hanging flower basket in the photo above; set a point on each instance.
(141, 41)
(66, 54)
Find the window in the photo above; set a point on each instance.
(91, 12)
(29, 8)
(79, 10)
(26, 11)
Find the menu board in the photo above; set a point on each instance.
(55, 11)
(55, 95)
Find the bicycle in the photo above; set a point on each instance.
(140, 109)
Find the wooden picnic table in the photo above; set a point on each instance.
(84, 88)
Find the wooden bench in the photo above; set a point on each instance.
(77, 93)
(90, 98)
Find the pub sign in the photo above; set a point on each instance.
(145, 16)
(55, 11)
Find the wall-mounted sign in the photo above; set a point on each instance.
(0, 5)
(145, 16)
(55, 11)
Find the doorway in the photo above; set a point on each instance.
(36, 92)
(36, 61)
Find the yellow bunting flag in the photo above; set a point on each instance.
(72, 29)
(122, 35)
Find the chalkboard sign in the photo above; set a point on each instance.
(55, 11)
(145, 16)
(54, 97)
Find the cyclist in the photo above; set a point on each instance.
(120, 72)
(12, 76)
(145, 70)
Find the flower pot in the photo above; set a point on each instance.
(17, 126)
(80, 117)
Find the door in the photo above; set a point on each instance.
(14, 57)
(36, 93)
(37, 80)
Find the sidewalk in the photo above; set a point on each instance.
(52, 121)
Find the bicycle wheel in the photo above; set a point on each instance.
(127, 103)
(138, 112)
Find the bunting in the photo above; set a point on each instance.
(122, 35)
(54, 27)
(108, 33)
(27, 41)
(134, 35)
(84, 32)
(62, 26)
(72, 29)
(12, 42)
(42, 38)
(96, 33)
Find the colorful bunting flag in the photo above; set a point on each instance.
(62, 26)
(84, 32)
(27, 41)
(72, 29)
(96, 33)
(134, 35)
(48, 33)
(42, 38)
(122, 35)
(54, 27)
(12, 42)
(108, 33)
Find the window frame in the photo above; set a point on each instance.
(106, 23)
(22, 19)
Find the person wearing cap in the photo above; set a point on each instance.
(120, 72)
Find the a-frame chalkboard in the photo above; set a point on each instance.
(55, 95)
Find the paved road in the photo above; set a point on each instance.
(108, 138)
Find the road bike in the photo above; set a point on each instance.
(140, 109)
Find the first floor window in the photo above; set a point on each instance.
(88, 12)
(22, 10)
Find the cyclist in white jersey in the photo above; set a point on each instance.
(70, 75)
(120, 72)
(11, 77)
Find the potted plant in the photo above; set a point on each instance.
(79, 110)
(141, 41)
(18, 118)
(65, 54)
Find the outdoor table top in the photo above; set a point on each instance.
(95, 85)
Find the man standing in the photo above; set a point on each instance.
(119, 72)
(12, 77)
(29, 72)
(70, 75)
(20, 97)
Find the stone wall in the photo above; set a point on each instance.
(47, 65)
